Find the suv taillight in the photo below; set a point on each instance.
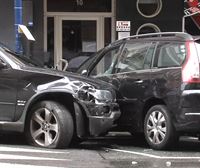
(190, 69)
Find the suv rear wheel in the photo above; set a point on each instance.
(158, 128)
(49, 125)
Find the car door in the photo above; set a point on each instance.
(129, 73)
(133, 72)
(167, 72)
(8, 91)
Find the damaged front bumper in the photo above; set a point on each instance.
(102, 118)
(101, 109)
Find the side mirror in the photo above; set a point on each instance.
(84, 72)
(2, 65)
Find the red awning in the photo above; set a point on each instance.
(192, 8)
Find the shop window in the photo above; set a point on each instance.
(79, 6)
(148, 28)
(149, 8)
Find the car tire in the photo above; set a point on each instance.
(158, 128)
(50, 125)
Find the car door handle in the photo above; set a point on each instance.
(139, 81)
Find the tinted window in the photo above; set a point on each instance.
(134, 57)
(107, 62)
(171, 55)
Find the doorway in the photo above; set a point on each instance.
(70, 37)
(77, 36)
(72, 29)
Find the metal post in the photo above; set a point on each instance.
(18, 20)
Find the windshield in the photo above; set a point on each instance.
(18, 59)
(88, 62)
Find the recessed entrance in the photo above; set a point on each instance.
(77, 28)
(70, 37)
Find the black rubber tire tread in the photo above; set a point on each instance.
(65, 122)
(171, 134)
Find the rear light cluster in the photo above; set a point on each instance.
(190, 69)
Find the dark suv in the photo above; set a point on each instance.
(157, 82)
(53, 108)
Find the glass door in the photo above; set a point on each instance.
(74, 28)
(79, 38)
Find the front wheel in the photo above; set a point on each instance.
(50, 125)
(158, 128)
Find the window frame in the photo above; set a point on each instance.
(89, 61)
(102, 54)
(5, 58)
(157, 11)
(157, 54)
(151, 25)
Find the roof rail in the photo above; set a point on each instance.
(164, 34)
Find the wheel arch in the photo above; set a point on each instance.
(64, 98)
(147, 105)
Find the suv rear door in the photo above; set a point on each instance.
(166, 71)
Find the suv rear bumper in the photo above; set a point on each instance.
(189, 119)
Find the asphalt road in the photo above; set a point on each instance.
(114, 151)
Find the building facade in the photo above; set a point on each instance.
(71, 28)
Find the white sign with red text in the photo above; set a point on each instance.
(123, 26)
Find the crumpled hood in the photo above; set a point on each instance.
(68, 80)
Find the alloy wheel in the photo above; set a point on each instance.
(44, 127)
(156, 127)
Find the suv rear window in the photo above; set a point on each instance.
(171, 55)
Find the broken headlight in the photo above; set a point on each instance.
(95, 95)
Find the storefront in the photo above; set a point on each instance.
(81, 27)
(71, 28)
(7, 20)
(77, 27)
